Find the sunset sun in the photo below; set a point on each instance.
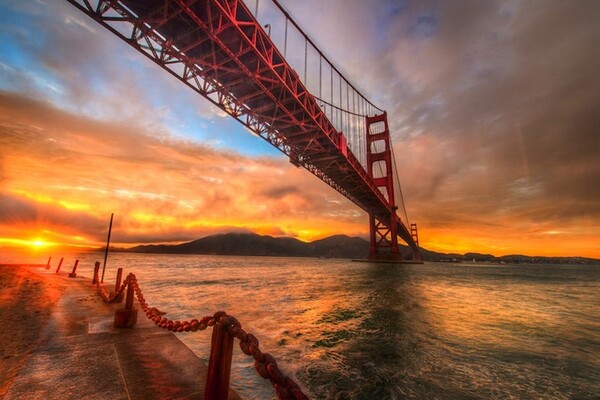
(38, 243)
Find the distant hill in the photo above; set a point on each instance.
(508, 259)
(338, 246)
(250, 244)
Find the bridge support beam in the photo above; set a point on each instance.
(384, 240)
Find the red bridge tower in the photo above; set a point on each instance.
(384, 232)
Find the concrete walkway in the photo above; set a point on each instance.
(81, 356)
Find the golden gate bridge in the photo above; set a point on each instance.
(272, 78)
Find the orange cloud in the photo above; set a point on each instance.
(64, 175)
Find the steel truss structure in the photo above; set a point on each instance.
(218, 49)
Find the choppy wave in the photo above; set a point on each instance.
(364, 331)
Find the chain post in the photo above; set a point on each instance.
(127, 317)
(219, 364)
(119, 297)
(96, 269)
(73, 273)
(59, 265)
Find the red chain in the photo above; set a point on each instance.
(264, 363)
(108, 298)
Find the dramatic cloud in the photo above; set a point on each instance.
(494, 111)
(72, 172)
(493, 108)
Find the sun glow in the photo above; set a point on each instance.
(24, 243)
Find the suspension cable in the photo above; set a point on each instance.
(338, 108)
(397, 178)
(289, 17)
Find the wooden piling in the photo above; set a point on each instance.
(73, 273)
(59, 265)
(96, 269)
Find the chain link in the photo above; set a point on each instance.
(264, 363)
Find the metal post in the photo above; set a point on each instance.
(73, 273)
(48, 263)
(219, 364)
(59, 264)
(107, 244)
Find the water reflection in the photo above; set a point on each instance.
(369, 346)
(502, 331)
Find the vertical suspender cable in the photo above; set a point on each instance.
(360, 132)
(363, 141)
(347, 108)
(355, 119)
(397, 179)
(305, 61)
(331, 94)
(289, 17)
(340, 84)
(285, 39)
(366, 150)
(320, 76)
(331, 81)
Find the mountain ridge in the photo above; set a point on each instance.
(337, 246)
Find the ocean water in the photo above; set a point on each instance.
(347, 330)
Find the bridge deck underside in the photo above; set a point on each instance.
(220, 43)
